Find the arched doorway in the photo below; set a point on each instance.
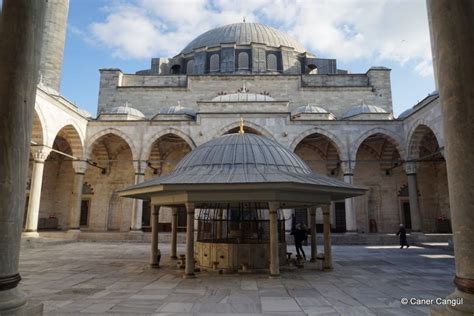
(111, 170)
(432, 180)
(57, 185)
(323, 156)
(166, 152)
(378, 167)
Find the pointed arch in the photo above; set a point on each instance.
(71, 134)
(393, 137)
(419, 129)
(91, 141)
(149, 143)
(38, 134)
(338, 144)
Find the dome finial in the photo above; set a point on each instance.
(241, 130)
(244, 19)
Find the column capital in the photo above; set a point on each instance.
(273, 206)
(79, 166)
(155, 209)
(312, 210)
(139, 166)
(174, 211)
(326, 208)
(348, 167)
(410, 167)
(189, 207)
(40, 153)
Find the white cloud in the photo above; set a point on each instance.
(347, 30)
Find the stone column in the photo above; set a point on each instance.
(415, 217)
(452, 30)
(21, 26)
(351, 221)
(137, 206)
(39, 154)
(80, 168)
(174, 232)
(155, 213)
(274, 256)
(327, 237)
(189, 269)
(314, 249)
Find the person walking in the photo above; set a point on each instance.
(403, 236)
(300, 236)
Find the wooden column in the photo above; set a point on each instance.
(189, 269)
(274, 256)
(174, 232)
(327, 237)
(154, 236)
(314, 247)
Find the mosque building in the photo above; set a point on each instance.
(340, 123)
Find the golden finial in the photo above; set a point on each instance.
(241, 131)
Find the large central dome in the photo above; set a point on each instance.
(244, 34)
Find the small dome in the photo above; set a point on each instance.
(178, 109)
(124, 110)
(84, 113)
(363, 109)
(406, 113)
(243, 97)
(309, 109)
(244, 34)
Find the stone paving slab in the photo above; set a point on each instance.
(94, 278)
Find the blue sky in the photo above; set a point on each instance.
(360, 34)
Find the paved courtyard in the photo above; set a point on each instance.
(113, 278)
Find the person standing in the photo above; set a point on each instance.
(300, 236)
(403, 236)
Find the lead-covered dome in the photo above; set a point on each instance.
(242, 167)
(244, 34)
(127, 110)
(242, 159)
(366, 109)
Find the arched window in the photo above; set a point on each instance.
(271, 62)
(243, 61)
(190, 67)
(214, 63)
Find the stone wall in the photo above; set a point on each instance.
(381, 202)
(433, 191)
(107, 210)
(337, 96)
(57, 191)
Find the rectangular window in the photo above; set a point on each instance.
(84, 219)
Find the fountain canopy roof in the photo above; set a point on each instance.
(242, 166)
